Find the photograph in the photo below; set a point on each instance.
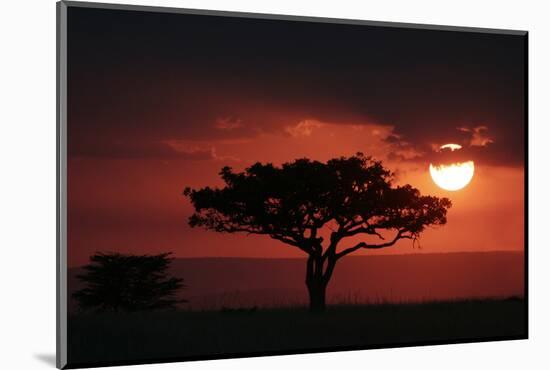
(242, 184)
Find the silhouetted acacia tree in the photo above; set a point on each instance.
(347, 198)
(118, 282)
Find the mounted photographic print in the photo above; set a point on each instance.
(235, 185)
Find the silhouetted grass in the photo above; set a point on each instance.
(100, 338)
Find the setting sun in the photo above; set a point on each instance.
(453, 176)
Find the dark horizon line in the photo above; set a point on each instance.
(496, 251)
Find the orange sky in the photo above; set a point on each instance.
(158, 102)
(136, 206)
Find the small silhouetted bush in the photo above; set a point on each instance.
(118, 282)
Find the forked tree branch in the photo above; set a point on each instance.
(281, 238)
(371, 230)
(362, 245)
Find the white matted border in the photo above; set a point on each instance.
(62, 65)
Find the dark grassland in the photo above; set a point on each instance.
(135, 337)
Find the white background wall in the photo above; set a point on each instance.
(27, 181)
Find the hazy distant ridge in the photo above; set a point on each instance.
(233, 282)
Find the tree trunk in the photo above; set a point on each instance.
(317, 294)
(316, 284)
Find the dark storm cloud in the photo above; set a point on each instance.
(133, 149)
(393, 139)
(137, 75)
